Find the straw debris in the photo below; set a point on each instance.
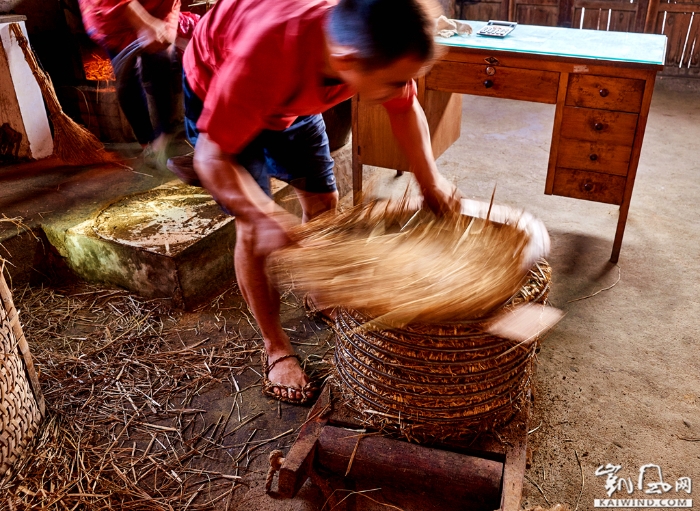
(122, 429)
(401, 266)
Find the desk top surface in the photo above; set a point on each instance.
(632, 47)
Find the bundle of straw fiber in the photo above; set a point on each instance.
(72, 143)
(402, 266)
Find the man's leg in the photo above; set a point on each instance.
(264, 301)
(132, 100)
(157, 75)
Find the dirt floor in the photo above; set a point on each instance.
(617, 380)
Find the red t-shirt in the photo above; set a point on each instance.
(106, 24)
(258, 64)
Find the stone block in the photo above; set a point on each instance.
(170, 242)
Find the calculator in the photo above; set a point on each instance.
(497, 28)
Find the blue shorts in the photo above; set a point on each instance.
(299, 155)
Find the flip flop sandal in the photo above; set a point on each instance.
(268, 387)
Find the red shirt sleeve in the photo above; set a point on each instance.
(404, 102)
(242, 95)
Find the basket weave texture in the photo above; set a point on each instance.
(21, 401)
(436, 382)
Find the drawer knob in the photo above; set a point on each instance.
(488, 84)
(604, 93)
(593, 157)
(588, 186)
(598, 126)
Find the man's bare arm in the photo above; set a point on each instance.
(233, 187)
(410, 128)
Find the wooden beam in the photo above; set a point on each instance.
(471, 480)
(652, 13)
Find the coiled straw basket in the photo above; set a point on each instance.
(21, 401)
(435, 382)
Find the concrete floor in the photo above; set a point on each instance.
(617, 380)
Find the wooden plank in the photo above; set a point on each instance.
(591, 19)
(679, 8)
(622, 21)
(545, 15)
(594, 156)
(600, 4)
(556, 132)
(507, 83)
(634, 163)
(640, 17)
(298, 463)
(598, 125)
(483, 11)
(605, 92)
(473, 481)
(692, 58)
(516, 460)
(652, 16)
(586, 185)
(676, 30)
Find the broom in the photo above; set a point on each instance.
(72, 143)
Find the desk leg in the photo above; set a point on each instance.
(619, 233)
(634, 163)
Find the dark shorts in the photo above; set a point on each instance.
(299, 155)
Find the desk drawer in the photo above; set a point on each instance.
(494, 81)
(604, 92)
(595, 156)
(615, 128)
(593, 186)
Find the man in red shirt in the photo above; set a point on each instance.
(257, 75)
(114, 24)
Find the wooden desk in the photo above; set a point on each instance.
(600, 82)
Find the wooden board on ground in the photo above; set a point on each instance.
(336, 451)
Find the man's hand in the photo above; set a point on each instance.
(442, 197)
(271, 232)
(155, 34)
(257, 216)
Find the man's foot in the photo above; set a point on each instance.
(285, 380)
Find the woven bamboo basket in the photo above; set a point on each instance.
(436, 382)
(21, 401)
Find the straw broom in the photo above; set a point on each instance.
(72, 143)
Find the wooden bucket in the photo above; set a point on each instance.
(21, 401)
